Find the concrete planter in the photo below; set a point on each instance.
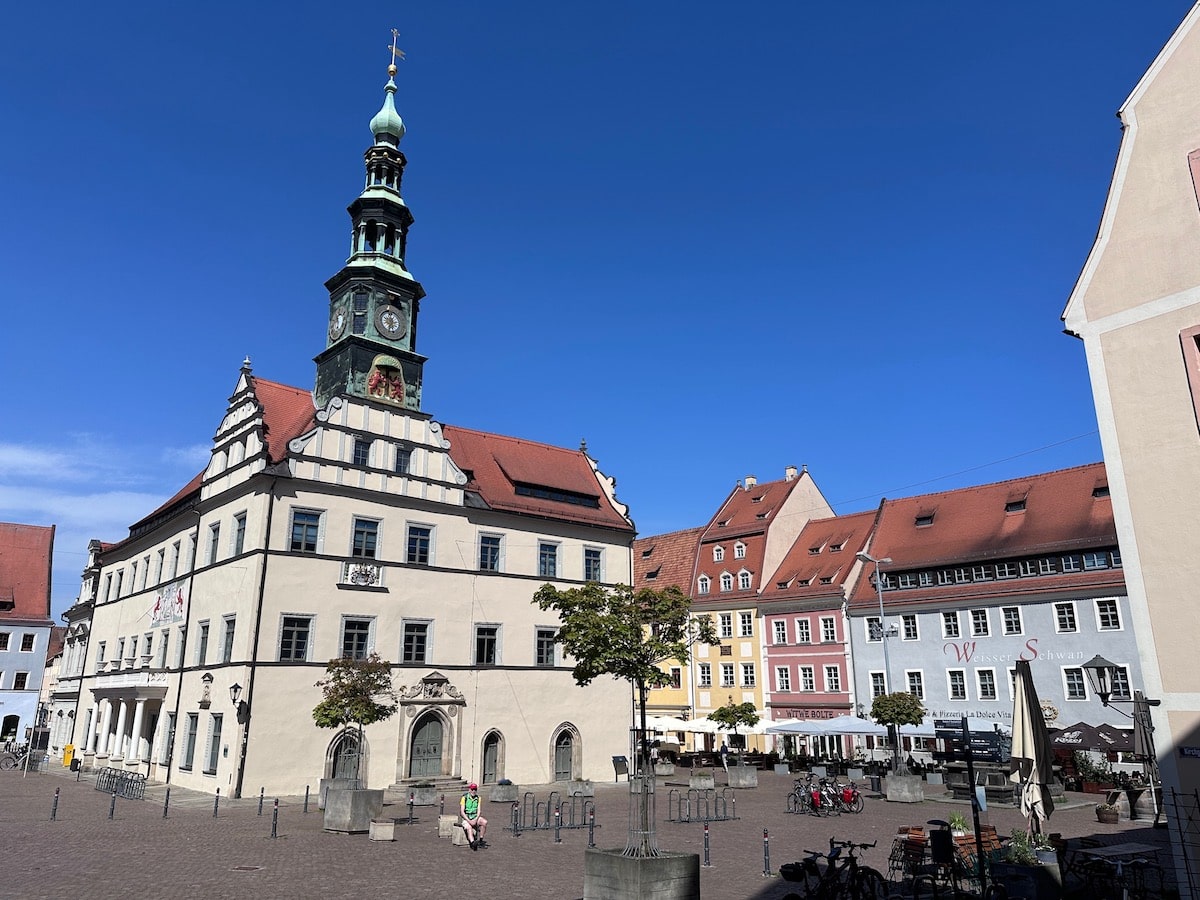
(664, 768)
(783, 769)
(424, 796)
(855, 774)
(1035, 882)
(352, 811)
(743, 777)
(504, 793)
(446, 825)
(327, 783)
(582, 786)
(904, 788)
(382, 830)
(702, 780)
(607, 875)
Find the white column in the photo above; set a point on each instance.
(118, 747)
(105, 722)
(134, 753)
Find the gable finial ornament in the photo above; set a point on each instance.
(397, 53)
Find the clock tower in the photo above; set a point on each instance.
(371, 344)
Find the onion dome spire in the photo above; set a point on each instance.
(387, 126)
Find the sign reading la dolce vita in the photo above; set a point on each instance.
(170, 604)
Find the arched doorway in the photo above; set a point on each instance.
(425, 749)
(345, 758)
(564, 755)
(492, 769)
(8, 731)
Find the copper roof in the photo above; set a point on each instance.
(25, 555)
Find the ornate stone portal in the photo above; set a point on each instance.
(430, 741)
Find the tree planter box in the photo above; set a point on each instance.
(857, 775)
(424, 796)
(904, 788)
(327, 783)
(664, 768)
(701, 780)
(382, 830)
(351, 811)
(743, 777)
(934, 778)
(607, 875)
(582, 787)
(505, 793)
(782, 769)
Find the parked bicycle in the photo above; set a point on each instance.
(15, 758)
(824, 796)
(842, 878)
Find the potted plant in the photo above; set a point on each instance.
(894, 710)
(1044, 850)
(1016, 866)
(958, 823)
(358, 692)
(1107, 813)
(504, 791)
(734, 716)
(1095, 775)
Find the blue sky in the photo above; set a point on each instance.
(714, 240)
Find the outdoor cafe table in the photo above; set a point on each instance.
(1119, 851)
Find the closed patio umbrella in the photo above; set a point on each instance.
(1143, 746)
(1032, 752)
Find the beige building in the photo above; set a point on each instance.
(1137, 308)
(345, 521)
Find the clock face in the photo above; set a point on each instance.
(337, 324)
(389, 322)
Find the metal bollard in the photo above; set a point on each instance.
(442, 808)
(216, 802)
(516, 820)
(79, 771)
(112, 807)
(707, 861)
(592, 829)
(306, 787)
(275, 819)
(54, 808)
(166, 801)
(262, 791)
(766, 853)
(410, 808)
(558, 824)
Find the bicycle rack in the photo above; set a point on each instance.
(699, 805)
(576, 811)
(130, 785)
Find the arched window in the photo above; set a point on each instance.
(726, 581)
(739, 550)
(704, 584)
(718, 553)
(743, 580)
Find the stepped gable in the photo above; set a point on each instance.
(821, 559)
(1068, 510)
(25, 553)
(526, 477)
(662, 560)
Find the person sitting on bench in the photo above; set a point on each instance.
(473, 823)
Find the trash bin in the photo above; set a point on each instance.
(68, 754)
(76, 764)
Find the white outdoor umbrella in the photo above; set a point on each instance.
(851, 725)
(666, 723)
(1032, 752)
(795, 726)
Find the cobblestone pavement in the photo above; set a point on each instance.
(192, 854)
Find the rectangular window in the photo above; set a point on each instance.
(356, 638)
(783, 679)
(214, 745)
(957, 681)
(547, 560)
(27, 643)
(747, 674)
(366, 539)
(164, 751)
(1095, 561)
(1120, 684)
(416, 642)
(227, 639)
(979, 623)
(117, 586)
(1006, 570)
(1027, 568)
(403, 460)
(981, 573)
(986, 679)
(745, 624)
(20, 680)
(133, 577)
(214, 544)
(1074, 684)
(808, 678)
(202, 645)
(1107, 616)
(362, 452)
(779, 629)
(159, 564)
(705, 675)
(306, 525)
(163, 644)
(726, 674)
(544, 646)
(147, 648)
(676, 678)
(593, 568)
(489, 553)
(907, 580)
(833, 679)
(6, 637)
(294, 637)
(1064, 617)
(950, 628)
(191, 552)
(1012, 619)
(487, 645)
(878, 685)
(725, 624)
(239, 533)
(420, 545)
(1072, 564)
(179, 647)
(874, 626)
(909, 621)
(916, 684)
(189, 741)
(828, 629)
(803, 631)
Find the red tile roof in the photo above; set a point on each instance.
(58, 640)
(809, 574)
(664, 560)
(25, 557)
(496, 464)
(288, 412)
(748, 510)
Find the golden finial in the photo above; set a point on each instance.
(397, 53)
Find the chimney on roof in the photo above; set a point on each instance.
(751, 481)
(789, 474)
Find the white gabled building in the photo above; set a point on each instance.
(343, 521)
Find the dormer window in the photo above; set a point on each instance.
(743, 580)
(924, 520)
(703, 584)
(726, 581)
(1013, 506)
(1100, 491)
(718, 553)
(834, 548)
(813, 551)
(739, 550)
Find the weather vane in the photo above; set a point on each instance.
(397, 53)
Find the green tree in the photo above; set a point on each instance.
(735, 715)
(627, 634)
(894, 710)
(357, 691)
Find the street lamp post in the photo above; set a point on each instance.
(887, 664)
